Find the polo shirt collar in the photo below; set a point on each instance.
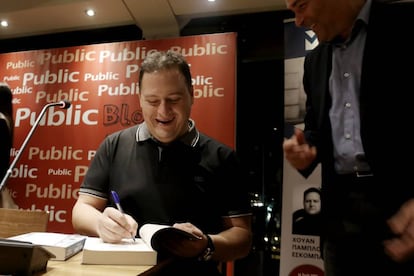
(190, 138)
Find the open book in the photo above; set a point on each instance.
(156, 235)
(63, 246)
(142, 251)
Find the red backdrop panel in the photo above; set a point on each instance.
(101, 82)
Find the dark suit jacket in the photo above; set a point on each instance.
(385, 104)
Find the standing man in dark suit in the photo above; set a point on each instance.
(357, 82)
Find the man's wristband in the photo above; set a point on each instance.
(208, 252)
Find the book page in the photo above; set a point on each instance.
(157, 234)
(96, 244)
(148, 230)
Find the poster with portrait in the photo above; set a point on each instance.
(300, 252)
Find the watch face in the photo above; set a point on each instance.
(208, 252)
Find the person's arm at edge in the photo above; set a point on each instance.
(235, 242)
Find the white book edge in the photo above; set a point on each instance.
(63, 246)
(126, 252)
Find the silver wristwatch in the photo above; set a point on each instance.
(208, 252)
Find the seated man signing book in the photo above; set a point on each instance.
(165, 171)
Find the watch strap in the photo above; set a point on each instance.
(208, 252)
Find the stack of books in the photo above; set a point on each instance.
(62, 246)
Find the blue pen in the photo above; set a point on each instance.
(117, 202)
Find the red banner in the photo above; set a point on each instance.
(101, 82)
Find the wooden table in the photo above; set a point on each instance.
(73, 267)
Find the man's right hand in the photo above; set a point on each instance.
(297, 151)
(113, 225)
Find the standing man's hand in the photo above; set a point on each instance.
(297, 151)
(401, 224)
